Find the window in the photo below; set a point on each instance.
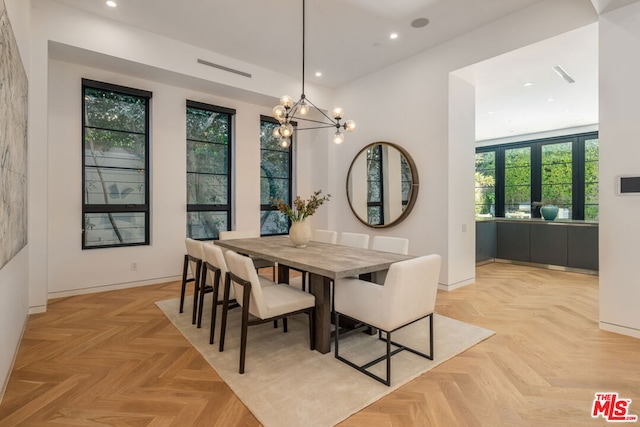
(557, 173)
(486, 183)
(375, 191)
(405, 176)
(275, 179)
(115, 165)
(591, 156)
(209, 133)
(517, 182)
(561, 170)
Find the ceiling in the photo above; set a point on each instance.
(348, 39)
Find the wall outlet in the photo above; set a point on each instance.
(134, 266)
(464, 228)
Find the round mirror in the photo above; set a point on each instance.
(382, 184)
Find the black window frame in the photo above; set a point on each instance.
(378, 205)
(92, 208)
(218, 207)
(270, 207)
(578, 170)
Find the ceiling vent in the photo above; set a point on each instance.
(223, 68)
(562, 73)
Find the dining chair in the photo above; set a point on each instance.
(397, 245)
(214, 266)
(408, 295)
(260, 303)
(355, 240)
(319, 235)
(192, 263)
(248, 234)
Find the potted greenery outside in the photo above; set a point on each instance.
(548, 208)
(300, 232)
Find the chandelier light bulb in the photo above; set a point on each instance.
(286, 130)
(286, 101)
(284, 142)
(303, 109)
(276, 132)
(338, 138)
(338, 113)
(280, 113)
(349, 125)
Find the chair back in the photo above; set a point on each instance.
(397, 245)
(238, 234)
(214, 256)
(411, 287)
(325, 236)
(194, 249)
(355, 240)
(243, 267)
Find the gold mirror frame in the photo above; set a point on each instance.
(413, 192)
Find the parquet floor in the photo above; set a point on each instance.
(113, 359)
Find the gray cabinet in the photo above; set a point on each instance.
(486, 243)
(567, 244)
(513, 240)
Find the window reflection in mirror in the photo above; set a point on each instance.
(382, 184)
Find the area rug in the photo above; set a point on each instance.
(286, 384)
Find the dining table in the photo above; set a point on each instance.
(325, 263)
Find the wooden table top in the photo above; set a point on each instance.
(324, 259)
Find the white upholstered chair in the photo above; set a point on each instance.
(192, 263)
(214, 269)
(261, 303)
(408, 295)
(248, 234)
(397, 245)
(355, 240)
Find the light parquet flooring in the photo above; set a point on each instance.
(114, 359)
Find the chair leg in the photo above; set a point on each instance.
(245, 324)
(284, 324)
(304, 281)
(196, 287)
(200, 307)
(214, 300)
(388, 382)
(185, 268)
(225, 310)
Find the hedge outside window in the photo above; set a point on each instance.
(115, 165)
(209, 136)
(561, 170)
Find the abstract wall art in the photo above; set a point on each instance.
(13, 144)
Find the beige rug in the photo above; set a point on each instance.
(286, 384)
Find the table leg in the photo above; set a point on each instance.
(283, 274)
(320, 288)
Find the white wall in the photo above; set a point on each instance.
(409, 104)
(14, 275)
(619, 155)
(69, 45)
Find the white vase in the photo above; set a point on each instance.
(300, 234)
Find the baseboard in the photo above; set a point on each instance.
(456, 285)
(619, 329)
(114, 287)
(548, 266)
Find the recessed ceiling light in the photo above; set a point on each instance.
(490, 112)
(111, 3)
(419, 22)
(550, 100)
(318, 74)
(393, 36)
(527, 84)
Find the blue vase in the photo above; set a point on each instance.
(549, 212)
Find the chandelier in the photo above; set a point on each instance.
(288, 111)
